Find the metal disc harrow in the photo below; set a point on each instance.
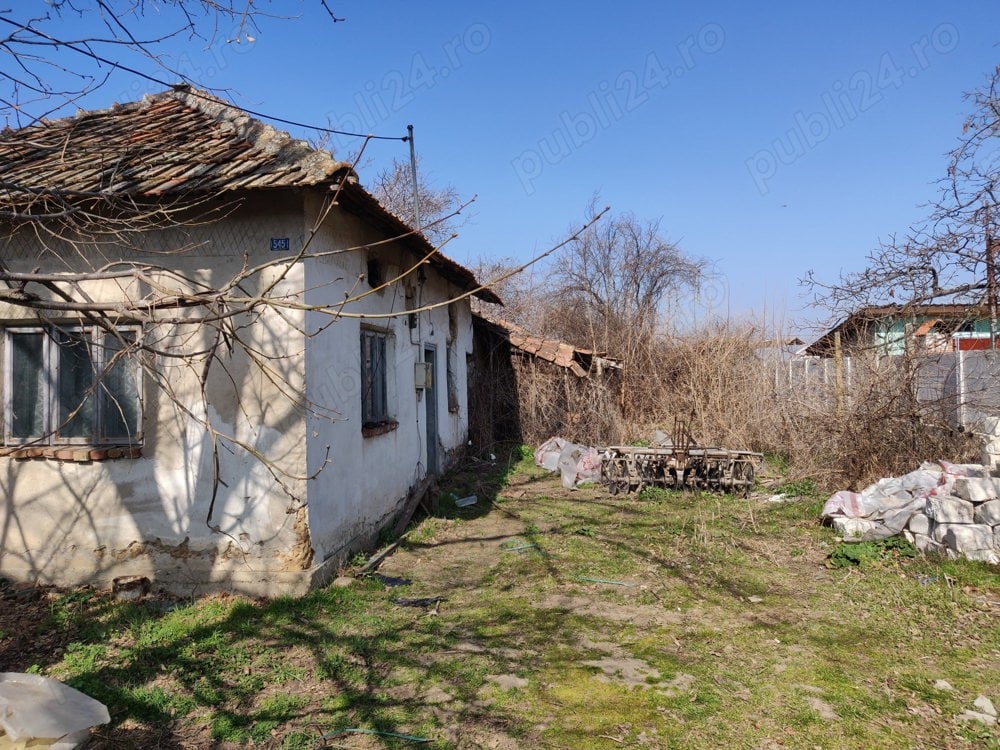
(626, 468)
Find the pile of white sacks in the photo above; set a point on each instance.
(577, 464)
(944, 508)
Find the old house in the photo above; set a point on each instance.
(226, 365)
(897, 329)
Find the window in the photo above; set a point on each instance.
(374, 380)
(374, 274)
(452, 358)
(70, 385)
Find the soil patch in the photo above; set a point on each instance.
(457, 557)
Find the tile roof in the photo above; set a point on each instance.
(183, 141)
(173, 142)
(927, 326)
(573, 358)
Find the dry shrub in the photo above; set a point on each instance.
(880, 426)
(722, 385)
(553, 401)
(715, 381)
(883, 419)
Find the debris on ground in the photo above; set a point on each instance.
(37, 711)
(984, 712)
(426, 601)
(577, 464)
(944, 508)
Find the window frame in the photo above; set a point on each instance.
(451, 360)
(54, 338)
(376, 408)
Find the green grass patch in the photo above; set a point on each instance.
(871, 553)
(734, 631)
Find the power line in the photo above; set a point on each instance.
(193, 91)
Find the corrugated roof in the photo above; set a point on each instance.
(184, 141)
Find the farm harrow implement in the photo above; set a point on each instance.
(681, 465)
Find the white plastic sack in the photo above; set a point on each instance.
(576, 463)
(883, 509)
(588, 468)
(547, 454)
(568, 461)
(964, 470)
(36, 707)
(845, 503)
(920, 482)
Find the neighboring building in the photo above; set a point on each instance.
(324, 424)
(528, 387)
(894, 329)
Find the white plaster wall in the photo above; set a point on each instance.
(366, 479)
(70, 522)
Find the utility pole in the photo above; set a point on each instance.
(991, 279)
(413, 177)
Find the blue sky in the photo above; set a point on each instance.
(770, 141)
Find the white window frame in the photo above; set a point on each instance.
(95, 337)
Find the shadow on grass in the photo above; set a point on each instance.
(279, 673)
(282, 673)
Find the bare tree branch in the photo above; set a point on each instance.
(943, 258)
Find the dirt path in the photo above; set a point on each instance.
(457, 557)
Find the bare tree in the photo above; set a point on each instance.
(523, 293)
(439, 220)
(609, 291)
(947, 257)
(612, 283)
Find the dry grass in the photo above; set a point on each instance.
(716, 381)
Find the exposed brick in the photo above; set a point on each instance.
(380, 429)
(69, 453)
